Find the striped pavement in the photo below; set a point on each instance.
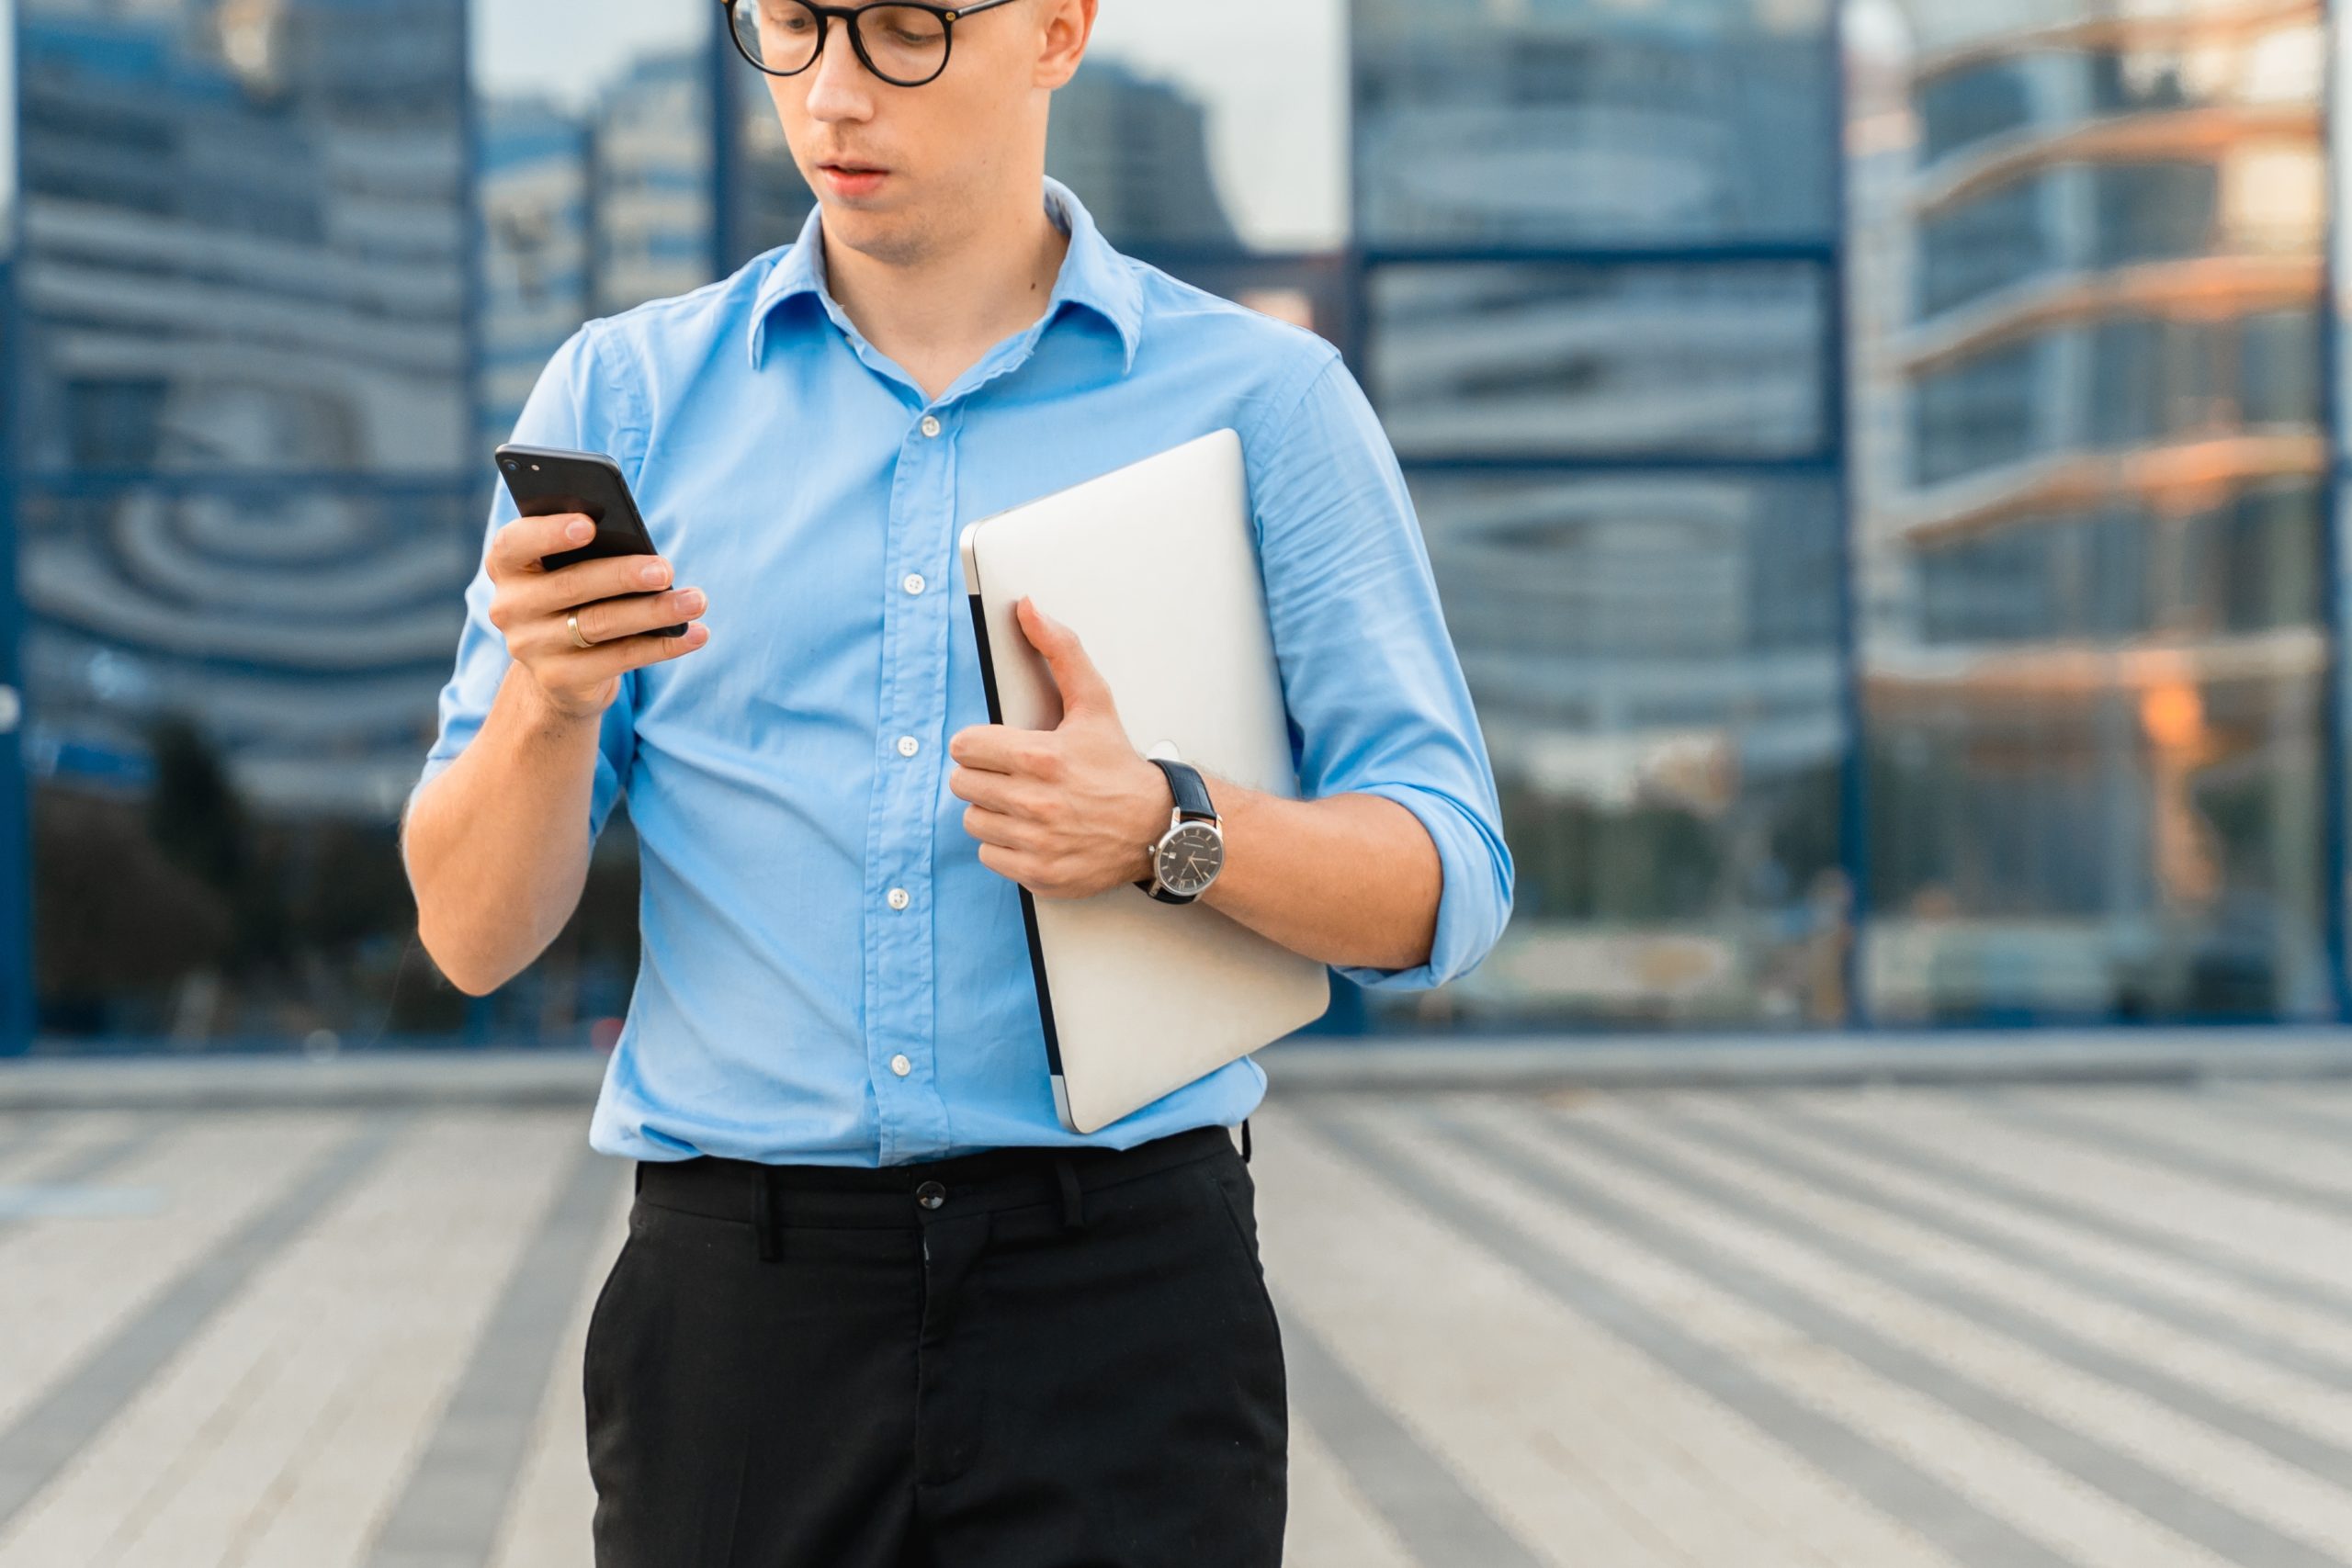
(2040, 1327)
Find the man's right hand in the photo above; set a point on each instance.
(530, 603)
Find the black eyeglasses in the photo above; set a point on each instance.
(905, 45)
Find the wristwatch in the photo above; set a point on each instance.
(1186, 858)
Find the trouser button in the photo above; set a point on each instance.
(930, 1194)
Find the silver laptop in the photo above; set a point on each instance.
(1139, 997)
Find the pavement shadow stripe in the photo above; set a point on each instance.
(1439, 1520)
(2293, 1290)
(1910, 1497)
(2265, 1108)
(83, 1164)
(31, 1130)
(449, 1512)
(2316, 1455)
(43, 1438)
(2092, 1279)
(2197, 1516)
(2172, 1154)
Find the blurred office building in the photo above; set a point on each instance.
(537, 252)
(1600, 299)
(1878, 458)
(649, 177)
(2095, 650)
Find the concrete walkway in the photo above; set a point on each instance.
(2014, 1327)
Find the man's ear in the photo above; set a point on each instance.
(1061, 44)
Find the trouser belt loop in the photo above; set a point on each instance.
(1073, 1200)
(1245, 1140)
(764, 1215)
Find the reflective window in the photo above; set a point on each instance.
(259, 405)
(1656, 665)
(2092, 647)
(2120, 382)
(1524, 358)
(2022, 87)
(245, 237)
(2062, 222)
(1570, 124)
(2241, 565)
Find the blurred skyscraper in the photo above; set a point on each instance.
(2093, 523)
(1877, 461)
(1600, 296)
(243, 304)
(538, 248)
(650, 181)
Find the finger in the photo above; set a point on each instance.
(1007, 793)
(1007, 832)
(609, 619)
(517, 547)
(1082, 686)
(1001, 749)
(584, 666)
(1020, 866)
(585, 582)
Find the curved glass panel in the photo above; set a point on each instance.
(2089, 462)
(1656, 665)
(1574, 123)
(1534, 359)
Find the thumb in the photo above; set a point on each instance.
(1082, 686)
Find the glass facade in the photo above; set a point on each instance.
(1600, 303)
(1882, 459)
(2093, 525)
(287, 270)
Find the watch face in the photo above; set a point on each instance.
(1190, 857)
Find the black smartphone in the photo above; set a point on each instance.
(548, 479)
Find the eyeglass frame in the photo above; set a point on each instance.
(948, 16)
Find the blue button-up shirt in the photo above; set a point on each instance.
(829, 972)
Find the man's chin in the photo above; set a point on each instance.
(887, 234)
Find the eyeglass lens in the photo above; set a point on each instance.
(903, 43)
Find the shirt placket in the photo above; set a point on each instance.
(910, 746)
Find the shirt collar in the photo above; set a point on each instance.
(1092, 275)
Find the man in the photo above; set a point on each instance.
(876, 1306)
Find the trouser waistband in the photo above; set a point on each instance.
(772, 1197)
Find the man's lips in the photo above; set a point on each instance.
(852, 179)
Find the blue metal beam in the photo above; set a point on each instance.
(16, 1000)
(2332, 552)
(1853, 774)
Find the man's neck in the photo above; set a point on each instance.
(936, 317)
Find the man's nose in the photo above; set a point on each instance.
(839, 88)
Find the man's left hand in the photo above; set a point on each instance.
(1065, 812)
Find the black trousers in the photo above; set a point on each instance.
(1021, 1359)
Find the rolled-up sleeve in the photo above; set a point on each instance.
(1378, 701)
(577, 403)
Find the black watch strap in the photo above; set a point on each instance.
(1192, 793)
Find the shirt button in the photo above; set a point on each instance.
(898, 897)
(930, 425)
(930, 1194)
(907, 745)
(912, 582)
(901, 1066)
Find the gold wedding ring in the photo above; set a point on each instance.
(573, 620)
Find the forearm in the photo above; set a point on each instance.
(1349, 879)
(497, 845)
